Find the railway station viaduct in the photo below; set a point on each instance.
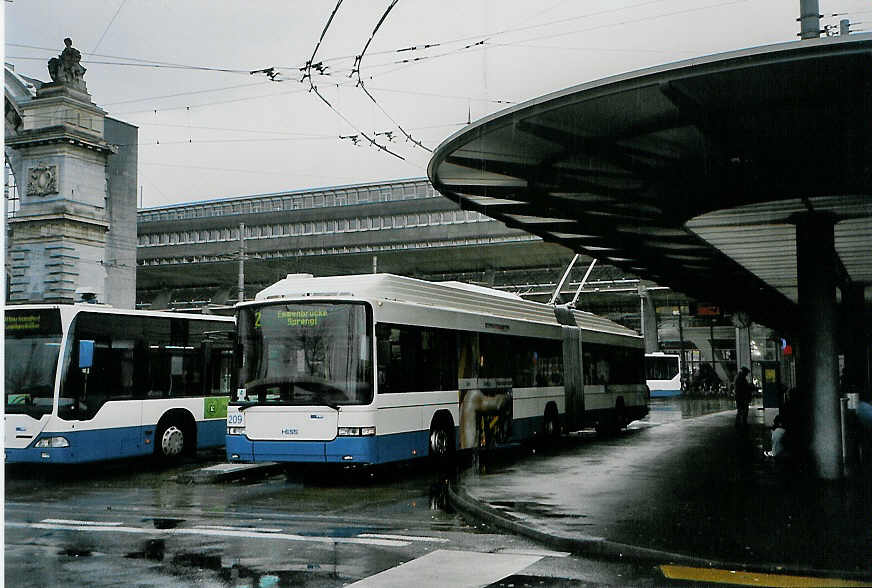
(742, 178)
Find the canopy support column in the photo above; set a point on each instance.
(818, 360)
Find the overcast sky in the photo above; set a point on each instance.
(206, 133)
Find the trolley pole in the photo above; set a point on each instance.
(241, 286)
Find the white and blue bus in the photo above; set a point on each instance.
(663, 374)
(379, 368)
(85, 382)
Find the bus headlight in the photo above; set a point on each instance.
(356, 431)
(235, 430)
(52, 442)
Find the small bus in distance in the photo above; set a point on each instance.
(663, 374)
(86, 383)
(379, 368)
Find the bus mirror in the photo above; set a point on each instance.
(86, 354)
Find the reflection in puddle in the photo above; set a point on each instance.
(439, 496)
(664, 410)
(236, 575)
(534, 508)
(153, 550)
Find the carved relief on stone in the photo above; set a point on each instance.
(42, 180)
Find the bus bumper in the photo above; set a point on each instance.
(45, 455)
(83, 447)
(342, 450)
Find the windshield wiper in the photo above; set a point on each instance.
(245, 405)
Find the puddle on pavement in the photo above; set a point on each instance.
(340, 532)
(230, 572)
(664, 410)
(73, 552)
(167, 523)
(234, 574)
(535, 508)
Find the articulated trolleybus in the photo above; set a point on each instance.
(379, 368)
(85, 382)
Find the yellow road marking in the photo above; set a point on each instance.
(750, 578)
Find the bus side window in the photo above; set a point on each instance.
(383, 352)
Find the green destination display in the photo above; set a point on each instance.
(32, 322)
(302, 318)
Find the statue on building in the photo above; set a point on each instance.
(66, 68)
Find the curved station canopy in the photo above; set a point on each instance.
(691, 174)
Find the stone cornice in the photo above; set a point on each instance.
(59, 217)
(59, 134)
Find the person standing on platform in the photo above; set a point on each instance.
(742, 389)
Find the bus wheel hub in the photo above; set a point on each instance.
(173, 441)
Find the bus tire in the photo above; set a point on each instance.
(551, 424)
(621, 420)
(614, 421)
(442, 439)
(174, 438)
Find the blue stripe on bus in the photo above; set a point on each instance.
(363, 450)
(348, 450)
(105, 444)
(665, 393)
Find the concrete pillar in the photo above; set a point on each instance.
(742, 322)
(809, 19)
(649, 321)
(818, 360)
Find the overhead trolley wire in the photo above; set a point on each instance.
(307, 75)
(109, 26)
(190, 93)
(357, 67)
(130, 61)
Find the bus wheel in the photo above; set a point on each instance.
(170, 440)
(551, 426)
(442, 441)
(621, 420)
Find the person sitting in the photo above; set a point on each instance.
(779, 447)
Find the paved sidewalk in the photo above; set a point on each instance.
(694, 491)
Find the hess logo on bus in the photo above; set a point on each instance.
(289, 432)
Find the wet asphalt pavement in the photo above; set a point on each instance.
(140, 524)
(696, 488)
(682, 481)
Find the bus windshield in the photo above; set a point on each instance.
(32, 346)
(306, 354)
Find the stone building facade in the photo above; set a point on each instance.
(72, 236)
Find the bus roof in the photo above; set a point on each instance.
(105, 308)
(448, 295)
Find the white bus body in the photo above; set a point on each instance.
(87, 382)
(379, 368)
(663, 374)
